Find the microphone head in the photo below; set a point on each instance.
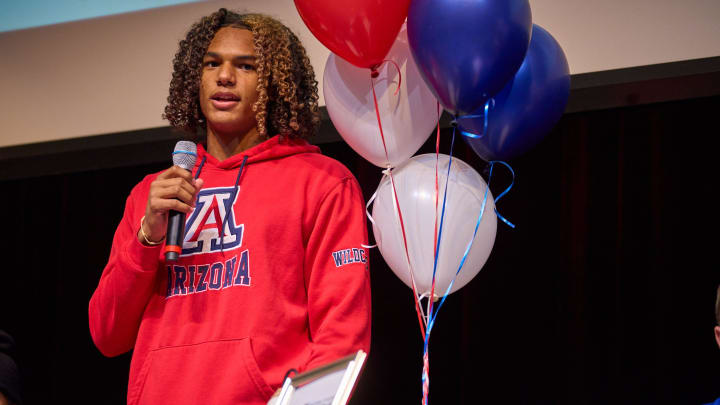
(185, 154)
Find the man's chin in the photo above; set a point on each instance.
(230, 128)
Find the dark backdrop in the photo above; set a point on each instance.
(604, 292)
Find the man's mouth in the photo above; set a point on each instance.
(225, 97)
(224, 100)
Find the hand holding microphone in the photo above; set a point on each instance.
(171, 197)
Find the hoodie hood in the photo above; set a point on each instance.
(276, 147)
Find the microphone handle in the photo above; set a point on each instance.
(174, 236)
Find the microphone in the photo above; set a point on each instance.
(184, 156)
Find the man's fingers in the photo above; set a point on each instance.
(163, 205)
(173, 184)
(173, 192)
(174, 172)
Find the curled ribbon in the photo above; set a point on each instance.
(374, 73)
(469, 245)
(512, 182)
(488, 105)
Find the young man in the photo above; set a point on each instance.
(9, 372)
(272, 274)
(717, 331)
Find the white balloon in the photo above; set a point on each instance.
(415, 184)
(407, 117)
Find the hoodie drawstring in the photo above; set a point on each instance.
(202, 163)
(228, 206)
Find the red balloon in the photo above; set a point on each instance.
(359, 31)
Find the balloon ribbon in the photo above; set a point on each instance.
(438, 238)
(426, 338)
(396, 201)
(431, 323)
(488, 105)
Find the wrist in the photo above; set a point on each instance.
(145, 238)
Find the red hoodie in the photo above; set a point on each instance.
(287, 285)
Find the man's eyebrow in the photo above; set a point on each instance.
(239, 57)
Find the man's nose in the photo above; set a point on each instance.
(226, 75)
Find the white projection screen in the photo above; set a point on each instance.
(110, 73)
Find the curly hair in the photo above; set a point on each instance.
(287, 90)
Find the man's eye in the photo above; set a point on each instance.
(247, 66)
(211, 63)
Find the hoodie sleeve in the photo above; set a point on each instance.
(337, 276)
(125, 286)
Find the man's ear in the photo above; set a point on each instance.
(717, 335)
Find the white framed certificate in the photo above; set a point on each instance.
(331, 384)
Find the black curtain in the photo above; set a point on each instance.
(604, 293)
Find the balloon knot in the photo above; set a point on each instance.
(374, 71)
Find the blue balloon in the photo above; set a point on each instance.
(468, 49)
(527, 107)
